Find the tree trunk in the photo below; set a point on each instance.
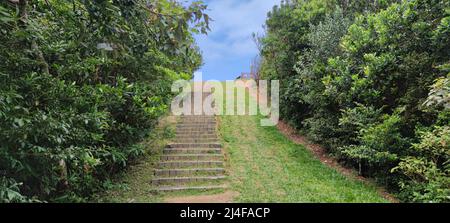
(23, 9)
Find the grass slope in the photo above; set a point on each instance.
(265, 166)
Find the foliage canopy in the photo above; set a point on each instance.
(81, 83)
(369, 80)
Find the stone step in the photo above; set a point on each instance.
(197, 117)
(187, 172)
(193, 134)
(191, 157)
(192, 151)
(195, 137)
(189, 188)
(188, 126)
(190, 164)
(190, 137)
(212, 127)
(194, 145)
(186, 132)
(194, 129)
(187, 137)
(197, 140)
(199, 122)
(194, 161)
(186, 180)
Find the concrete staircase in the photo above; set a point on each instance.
(194, 161)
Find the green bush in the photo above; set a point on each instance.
(379, 145)
(356, 77)
(10, 191)
(428, 172)
(81, 84)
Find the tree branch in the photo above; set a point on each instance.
(23, 11)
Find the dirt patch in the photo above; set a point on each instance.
(226, 197)
(320, 153)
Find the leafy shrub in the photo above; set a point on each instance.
(379, 145)
(81, 84)
(10, 191)
(428, 172)
(356, 77)
(439, 95)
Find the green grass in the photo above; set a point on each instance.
(265, 166)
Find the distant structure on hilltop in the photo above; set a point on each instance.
(254, 71)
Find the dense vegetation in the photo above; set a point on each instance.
(370, 81)
(81, 84)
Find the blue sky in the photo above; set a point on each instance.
(229, 48)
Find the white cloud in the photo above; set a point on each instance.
(232, 28)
